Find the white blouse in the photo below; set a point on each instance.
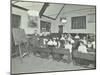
(77, 37)
(50, 43)
(82, 49)
(62, 38)
(93, 43)
(54, 43)
(69, 46)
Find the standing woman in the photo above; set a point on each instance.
(35, 41)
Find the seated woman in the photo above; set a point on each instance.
(66, 36)
(90, 47)
(50, 44)
(54, 42)
(69, 35)
(84, 40)
(68, 45)
(77, 36)
(45, 42)
(89, 44)
(44, 53)
(82, 47)
(93, 43)
(69, 38)
(68, 58)
(62, 37)
(58, 42)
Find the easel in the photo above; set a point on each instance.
(20, 40)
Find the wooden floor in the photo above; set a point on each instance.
(32, 64)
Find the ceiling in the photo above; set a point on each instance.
(29, 5)
(52, 10)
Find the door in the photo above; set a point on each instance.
(60, 28)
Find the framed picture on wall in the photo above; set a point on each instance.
(33, 21)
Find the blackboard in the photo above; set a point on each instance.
(19, 35)
(20, 40)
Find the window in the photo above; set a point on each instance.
(78, 22)
(16, 19)
(45, 26)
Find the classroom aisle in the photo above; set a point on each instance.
(36, 64)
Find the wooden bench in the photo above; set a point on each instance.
(59, 53)
(43, 52)
(84, 58)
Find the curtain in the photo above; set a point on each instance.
(78, 22)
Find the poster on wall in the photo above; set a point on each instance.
(33, 21)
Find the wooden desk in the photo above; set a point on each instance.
(61, 51)
(87, 56)
(42, 50)
(91, 50)
(84, 58)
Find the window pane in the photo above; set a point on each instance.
(79, 22)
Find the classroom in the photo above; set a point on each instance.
(52, 37)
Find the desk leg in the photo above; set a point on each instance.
(21, 57)
(26, 47)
